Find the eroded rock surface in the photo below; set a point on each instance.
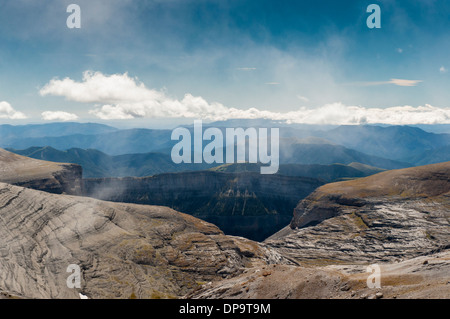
(389, 216)
(123, 250)
(41, 175)
(420, 277)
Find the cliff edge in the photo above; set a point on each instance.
(389, 216)
(46, 176)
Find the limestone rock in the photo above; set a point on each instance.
(41, 175)
(407, 279)
(123, 250)
(392, 215)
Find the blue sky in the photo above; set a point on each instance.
(306, 60)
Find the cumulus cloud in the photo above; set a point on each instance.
(7, 112)
(340, 114)
(58, 116)
(120, 96)
(443, 69)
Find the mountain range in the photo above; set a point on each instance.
(386, 147)
(97, 164)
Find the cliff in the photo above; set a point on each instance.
(245, 204)
(40, 175)
(389, 216)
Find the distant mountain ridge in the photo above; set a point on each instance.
(98, 164)
(113, 143)
(399, 143)
(8, 131)
(387, 147)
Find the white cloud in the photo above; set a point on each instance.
(122, 97)
(442, 69)
(399, 82)
(399, 50)
(340, 114)
(402, 82)
(303, 98)
(7, 112)
(246, 69)
(58, 116)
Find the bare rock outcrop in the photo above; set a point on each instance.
(41, 175)
(123, 250)
(389, 216)
(425, 277)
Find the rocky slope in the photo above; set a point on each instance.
(398, 220)
(424, 277)
(123, 250)
(389, 216)
(41, 175)
(246, 204)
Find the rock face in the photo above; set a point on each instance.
(123, 250)
(246, 204)
(388, 216)
(41, 175)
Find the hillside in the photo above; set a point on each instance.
(98, 164)
(294, 151)
(328, 173)
(123, 250)
(424, 277)
(398, 220)
(389, 216)
(432, 156)
(399, 143)
(42, 175)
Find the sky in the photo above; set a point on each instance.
(159, 62)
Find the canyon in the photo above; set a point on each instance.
(398, 219)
